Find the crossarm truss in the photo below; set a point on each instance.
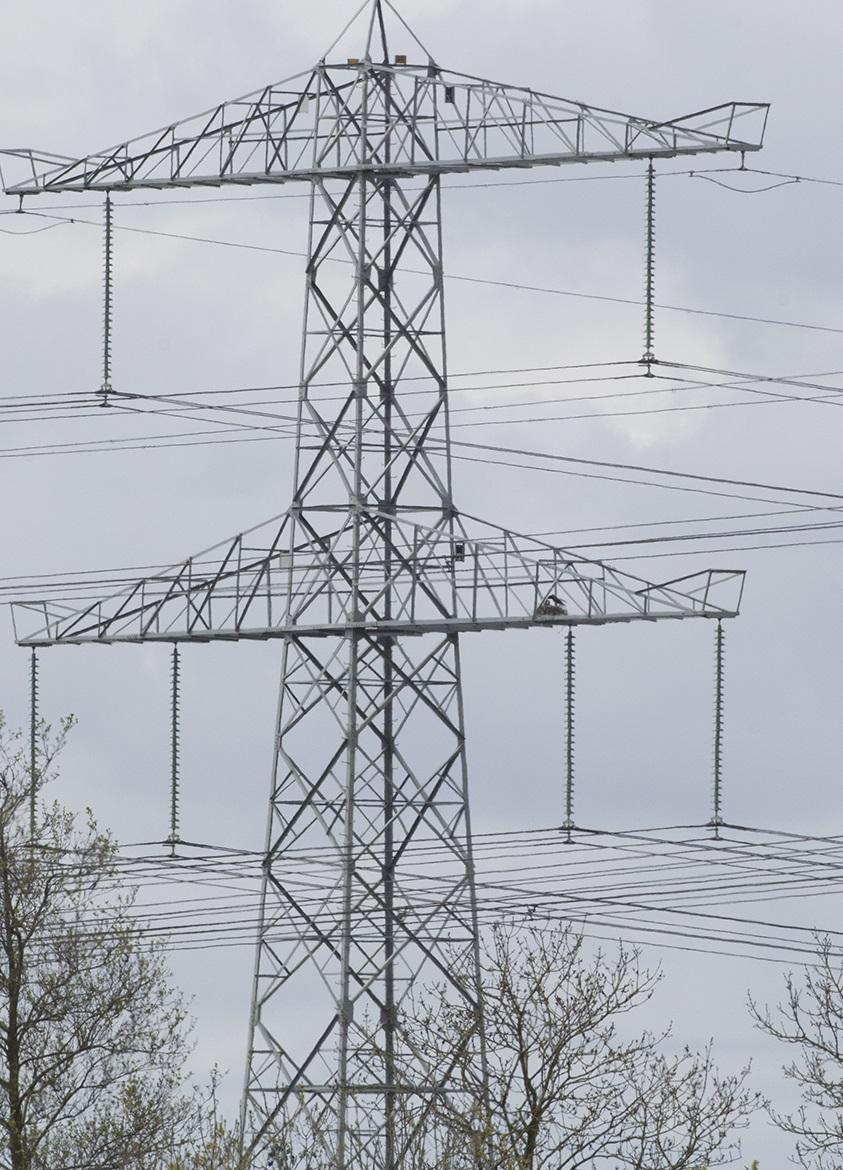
(310, 127)
(253, 587)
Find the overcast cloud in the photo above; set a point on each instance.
(190, 316)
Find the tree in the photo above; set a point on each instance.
(212, 1143)
(567, 1088)
(810, 1021)
(93, 1039)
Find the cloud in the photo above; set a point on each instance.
(75, 77)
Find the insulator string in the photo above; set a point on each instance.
(175, 712)
(33, 742)
(568, 824)
(108, 304)
(650, 272)
(717, 819)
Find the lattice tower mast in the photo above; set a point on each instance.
(372, 574)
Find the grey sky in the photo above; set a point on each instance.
(189, 316)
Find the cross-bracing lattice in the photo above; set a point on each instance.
(372, 575)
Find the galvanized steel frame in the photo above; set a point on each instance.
(372, 574)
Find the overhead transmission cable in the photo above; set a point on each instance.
(180, 408)
(512, 896)
(167, 440)
(500, 897)
(459, 277)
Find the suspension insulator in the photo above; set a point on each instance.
(649, 355)
(175, 761)
(33, 742)
(719, 644)
(108, 304)
(570, 675)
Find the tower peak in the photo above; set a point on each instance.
(386, 31)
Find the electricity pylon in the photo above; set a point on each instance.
(372, 574)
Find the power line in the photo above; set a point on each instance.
(643, 468)
(200, 922)
(462, 278)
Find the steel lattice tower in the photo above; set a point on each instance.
(370, 750)
(372, 575)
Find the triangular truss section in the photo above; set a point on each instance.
(280, 579)
(311, 126)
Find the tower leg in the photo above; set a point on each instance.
(369, 890)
